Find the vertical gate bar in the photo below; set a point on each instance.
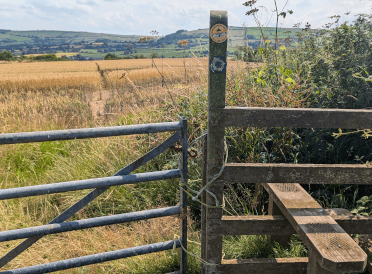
(183, 198)
(203, 208)
(216, 132)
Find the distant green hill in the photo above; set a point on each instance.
(98, 44)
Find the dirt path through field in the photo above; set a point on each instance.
(97, 103)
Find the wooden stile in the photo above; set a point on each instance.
(292, 209)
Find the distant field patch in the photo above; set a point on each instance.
(67, 54)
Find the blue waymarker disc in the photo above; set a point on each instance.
(218, 64)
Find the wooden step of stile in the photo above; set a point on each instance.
(333, 248)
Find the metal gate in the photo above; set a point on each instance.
(100, 185)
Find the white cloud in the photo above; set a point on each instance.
(142, 16)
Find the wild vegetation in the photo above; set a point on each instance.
(329, 69)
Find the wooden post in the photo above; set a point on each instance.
(313, 266)
(216, 132)
(283, 240)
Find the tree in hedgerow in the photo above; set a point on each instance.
(110, 56)
(6, 56)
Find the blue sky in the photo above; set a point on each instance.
(166, 16)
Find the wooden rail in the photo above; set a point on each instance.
(295, 173)
(297, 117)
(279, 225)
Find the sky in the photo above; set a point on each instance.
(139, 17)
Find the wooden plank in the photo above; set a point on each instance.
(298, 117)
(295, 173)
(333, 248)
(263, 266)
(278, 225)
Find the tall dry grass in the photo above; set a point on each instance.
(29, 108)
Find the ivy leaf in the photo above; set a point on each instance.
(363, 200)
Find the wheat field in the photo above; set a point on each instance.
(84, 74)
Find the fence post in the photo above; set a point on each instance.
(283, 240)
(216, 132)
(183, 199)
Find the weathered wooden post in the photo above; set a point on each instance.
(283, 240)
(215, 141)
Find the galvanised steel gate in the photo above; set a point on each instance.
(100, 185)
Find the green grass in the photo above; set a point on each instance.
(257, 246)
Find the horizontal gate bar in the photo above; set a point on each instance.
(297, 117)
(87, 223)
(92, 195)
(83, 133)
(95, 259)
(297, 173)
(89, 183)
(278, 225)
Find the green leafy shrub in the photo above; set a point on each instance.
(364, 206)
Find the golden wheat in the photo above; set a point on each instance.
(78, 74)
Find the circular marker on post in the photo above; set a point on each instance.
(218, 64)
(218, 33)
